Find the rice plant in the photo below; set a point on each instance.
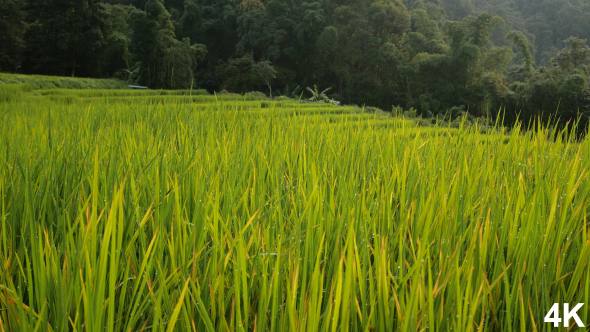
(174, 216)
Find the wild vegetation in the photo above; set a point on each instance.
(133, 210)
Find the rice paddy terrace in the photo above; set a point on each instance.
(181, 211)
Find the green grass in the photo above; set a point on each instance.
(59, 82)
(125, 215)
(13, 92)
(105, 93)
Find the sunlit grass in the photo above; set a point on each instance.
(127, 216)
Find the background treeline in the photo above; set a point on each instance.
(438, 57)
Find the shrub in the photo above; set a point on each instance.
(256, 94)
(411, 113)
(371, 109)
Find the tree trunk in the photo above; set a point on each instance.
(74, 65)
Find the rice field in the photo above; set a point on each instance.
(146, 211)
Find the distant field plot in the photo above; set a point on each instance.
(57, 82)
(181, 211)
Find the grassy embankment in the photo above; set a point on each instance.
(38, 82)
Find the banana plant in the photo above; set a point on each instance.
(316, 95)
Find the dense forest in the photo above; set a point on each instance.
(527, 57)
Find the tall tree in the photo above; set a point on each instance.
(576, 54)
(267, 72)
(66, 36)
(259, 33)
(12, 29)
(164, 62)
(209, 22)
(524, 46)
